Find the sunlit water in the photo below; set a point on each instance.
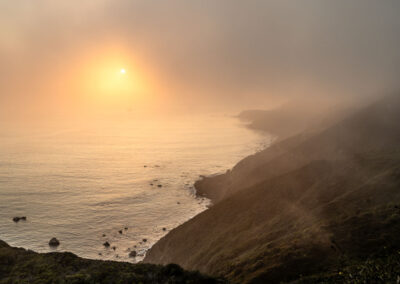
(78, 184)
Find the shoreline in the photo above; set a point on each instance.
(298, 207)
(112, 234)
(19, 265)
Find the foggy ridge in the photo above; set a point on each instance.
(299, 207)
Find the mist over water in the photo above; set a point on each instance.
(79, 183)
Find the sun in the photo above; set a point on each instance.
(113, 78)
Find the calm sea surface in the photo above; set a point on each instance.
(79, 183)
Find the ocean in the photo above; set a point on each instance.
(126, 182)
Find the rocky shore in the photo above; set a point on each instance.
(18, 265)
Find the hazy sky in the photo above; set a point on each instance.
(210, 53)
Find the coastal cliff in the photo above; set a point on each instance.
(318, 206)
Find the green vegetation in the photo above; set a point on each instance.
(384, 269)
(18, 265)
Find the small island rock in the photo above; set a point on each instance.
(54, 242)
(17, 219)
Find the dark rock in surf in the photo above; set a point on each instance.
(17, 219)
(106, 244)
(54, 242)
(132, 253)
(120, 231)
(144, 240)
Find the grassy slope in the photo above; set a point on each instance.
(308, 205)
(18, 265)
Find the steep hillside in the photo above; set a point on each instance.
(371, 129)
(18, 265)
(308, 205)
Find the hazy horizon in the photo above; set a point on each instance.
(65, 58)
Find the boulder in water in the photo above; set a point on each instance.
(132, 253)
(54, 242)
(17, 219)
(106, 244)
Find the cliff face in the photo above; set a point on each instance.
(18, 265)
(300, 207)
